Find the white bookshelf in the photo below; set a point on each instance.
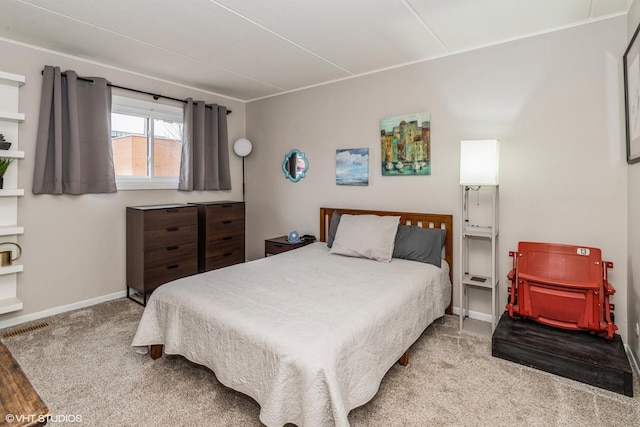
(11, 230)
(10, 118)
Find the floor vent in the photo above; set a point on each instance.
(25, 330)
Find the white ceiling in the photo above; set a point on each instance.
(248, 49)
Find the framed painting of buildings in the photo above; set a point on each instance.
(406, 145)
(352, 166)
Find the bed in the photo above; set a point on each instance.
(308, 334)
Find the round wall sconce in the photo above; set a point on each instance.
(242, 147)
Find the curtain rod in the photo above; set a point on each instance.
(154, 95)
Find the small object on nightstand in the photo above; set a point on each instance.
(293, 237)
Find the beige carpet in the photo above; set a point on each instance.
(83, 365)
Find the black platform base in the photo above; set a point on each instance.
(577, 355)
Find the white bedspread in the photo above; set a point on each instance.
(306, 334)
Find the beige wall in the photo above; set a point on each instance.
(633, 176)
(552, 100)
(74, 246)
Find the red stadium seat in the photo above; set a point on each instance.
(562, 286)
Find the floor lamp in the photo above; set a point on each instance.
(242, 147)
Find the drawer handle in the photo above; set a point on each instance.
(172, 248)
(278, 245)
(228, 254)
(227, 206)
(173, 228)
(227, 221)
(227, 238)
(172, 210)
(171, 267)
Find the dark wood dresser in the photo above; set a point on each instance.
(162, 245)
(221, 238)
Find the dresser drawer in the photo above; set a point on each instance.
(170, 255)
(276, 248)
(170, 236)
(225, 211)
(278, 245)
(170, 218)
(229, 221)
(156, 276)
(220, 231)
(225, 244)
(225, 259)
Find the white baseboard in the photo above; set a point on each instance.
(62, 309)
(474, 314)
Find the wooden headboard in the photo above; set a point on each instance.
(425, 220)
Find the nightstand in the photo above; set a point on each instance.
(277, 245)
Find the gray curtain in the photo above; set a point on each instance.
(205, 148)
(73, 145)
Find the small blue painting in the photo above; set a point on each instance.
(352, 166)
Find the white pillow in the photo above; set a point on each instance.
(366, 236)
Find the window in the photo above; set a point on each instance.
(147, 144)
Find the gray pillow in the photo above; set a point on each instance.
(420, 244)
(333, 227)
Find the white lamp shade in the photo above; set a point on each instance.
(242, 147)
(479, 162)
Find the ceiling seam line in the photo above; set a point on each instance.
(154, 46)
(425, 25)
(591, 6)
(439, 56)
(117, 68)
(270, 31)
